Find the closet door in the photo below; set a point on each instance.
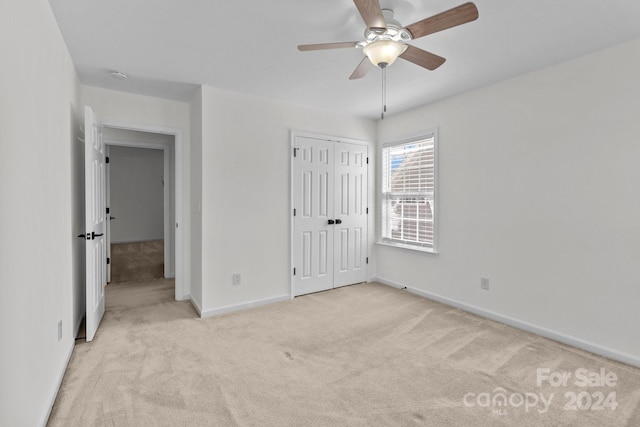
(313, 182)
(330, 214)
(350, 211)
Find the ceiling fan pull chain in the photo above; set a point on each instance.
(384, 92)
(384, 87)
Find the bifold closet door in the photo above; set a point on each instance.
(313, 181)
(350, 209)
(330, 214)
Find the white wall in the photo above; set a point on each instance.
(137, 194)
(538, 180)
(126, 108)
(195, 176)
(39, 206)
(246, 210)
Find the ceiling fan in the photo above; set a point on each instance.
(386, 39)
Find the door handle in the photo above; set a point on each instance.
(91, 236)
(338, 221)
(331, 222)
(111, 218)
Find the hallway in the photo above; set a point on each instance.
(138, 276)
(137, 261)
(133, 294)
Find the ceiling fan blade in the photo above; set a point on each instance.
(451, 18)
(422, 58)
(371, 13)
(362, 69)
(324, 46)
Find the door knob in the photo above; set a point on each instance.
(338, 221)
(331, 222)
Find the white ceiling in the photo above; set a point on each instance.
(170, 47)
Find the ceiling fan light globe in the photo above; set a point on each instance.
(383, 53)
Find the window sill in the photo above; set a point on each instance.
(409, 247)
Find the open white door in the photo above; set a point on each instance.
(95, 220)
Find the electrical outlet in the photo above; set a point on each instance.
(59, 330)
(237, 279)
(484, 283)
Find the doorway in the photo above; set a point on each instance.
(137, 188)
(140, 194)
(169, 142)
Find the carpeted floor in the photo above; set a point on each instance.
(137, 261)
(363, 355)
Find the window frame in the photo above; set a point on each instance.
(387, 241)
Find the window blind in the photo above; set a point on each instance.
(408, 188)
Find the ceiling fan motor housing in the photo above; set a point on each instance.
(395, 31)
(383, 46)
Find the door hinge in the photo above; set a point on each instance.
(295, 151)
(367, 211)
(294, 212)
(108, 261)
(367, 160)
(294, 271)
(107, 210)
(367, 260)
(106, 159)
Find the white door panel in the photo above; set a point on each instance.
(313, 236)
(350, 195)
(95, 221)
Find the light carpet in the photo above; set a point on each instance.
(363, 355)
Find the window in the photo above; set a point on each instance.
(408, 193)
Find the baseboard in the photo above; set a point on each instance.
(56, 389)
(195, 305)
(519, 324)
(244, 305)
